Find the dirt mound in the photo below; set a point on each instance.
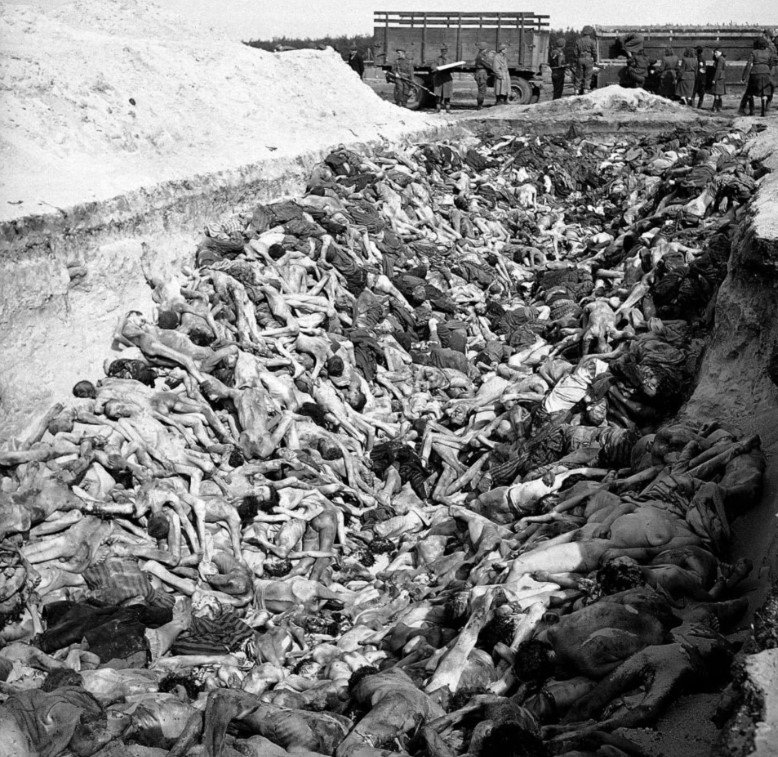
(102, 98)
(613, 98)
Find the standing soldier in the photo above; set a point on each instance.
(402, 71)
(443, 82)
(556, 59)
(585, 58)
(355, 61)
(481, 74)
(719, 85)
(502, 76)
(700, 77)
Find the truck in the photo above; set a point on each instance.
(736, 43)
(421, 34)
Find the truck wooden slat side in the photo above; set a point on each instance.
(421, 34)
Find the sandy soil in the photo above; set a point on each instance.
(102, 98)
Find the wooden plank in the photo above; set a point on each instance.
(417, 23)
(444, 14)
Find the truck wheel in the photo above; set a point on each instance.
(521, 90)
(417, 98)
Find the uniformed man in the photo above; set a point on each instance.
(402, 71)
(585, 58)
(556, 59)
(443, 82)
(481, 74)
(356, 61)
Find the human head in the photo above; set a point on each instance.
(688, 52)
(85, 390)
(168, 319)
(481, 45)
(400, 53)
(335, 366)
(560, 41)
(668, 51)
(502, 46)
(512, 740)
(588, 31)
(277, 567)
(264, 499)
(115, 409)
(619, 574)
(534, 661)
(353, 47)
(158, 526)
(699, 51)
(444, 49)
(760, 43)
(768, 34)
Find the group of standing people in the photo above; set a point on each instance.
(584, 60)
(686, 79)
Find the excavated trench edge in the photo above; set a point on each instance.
(178, 209)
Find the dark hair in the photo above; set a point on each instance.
(236, 458)
(61, 677)
(249, 507)
(512, 740)
(760, 43)
(499, 629)
(158, 526)
(276, 251)
(534, 661)
(335, 366)
(85, 389)
(168, 319)
(314, 412)
(278, 567)
(170, 681)
(359, 674)
(200, 337)
(615, 576)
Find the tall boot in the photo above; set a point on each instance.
(762, 99)
(479, 103)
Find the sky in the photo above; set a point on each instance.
(265, 19)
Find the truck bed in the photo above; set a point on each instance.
(422, 34)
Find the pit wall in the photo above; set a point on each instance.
(734, 386)
(67, 277)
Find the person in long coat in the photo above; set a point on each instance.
(502, 76)
(719, 87)
(667, 75)
(687, 72)
(443, 82)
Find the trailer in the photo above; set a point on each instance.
(736, 43)
(421, 34)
